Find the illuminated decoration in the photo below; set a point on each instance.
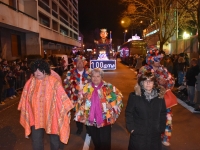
(103, 64)
(136, 37)
(102, 56)
(150, 33)
(103, 30)
(124, 52)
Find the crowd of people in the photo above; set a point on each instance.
(184, 71)
(13, 76)
(97, 104)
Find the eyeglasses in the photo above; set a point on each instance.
(148, 82)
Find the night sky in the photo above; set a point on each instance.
(97, 14)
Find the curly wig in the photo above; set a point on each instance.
(41, 65)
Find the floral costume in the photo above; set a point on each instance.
(108, 94)
(72, 82)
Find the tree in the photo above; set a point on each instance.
(162, 13)
(193, 9)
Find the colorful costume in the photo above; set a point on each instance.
(72, 82)
(108, 94)
(44, 104)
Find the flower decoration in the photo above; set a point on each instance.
(79, 57)
(153, 55)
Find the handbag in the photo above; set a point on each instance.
(170, 99)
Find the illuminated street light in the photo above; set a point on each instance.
(125, 35)
(186, 35)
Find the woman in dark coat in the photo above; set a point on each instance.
(146, 114)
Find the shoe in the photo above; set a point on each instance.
(166, 143)
(11, 97)
(2, 103)
(14, 96)
(197, 109)
(78, 132)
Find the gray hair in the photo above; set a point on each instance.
(97, 70)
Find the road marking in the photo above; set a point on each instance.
(86, 145)
(190, 108)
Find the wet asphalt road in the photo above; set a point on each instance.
(185, 134)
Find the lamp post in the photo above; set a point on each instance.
(185, 37)
(125, 35)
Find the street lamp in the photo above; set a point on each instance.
(125, 35)
(185, 37)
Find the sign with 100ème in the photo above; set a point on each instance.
(103, 64)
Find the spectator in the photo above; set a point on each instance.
(17, 73)
(139, 63)
(44, 107)
(146, 114)
(199, 61)
(5, 83)
(11, 82)
(2, 82)
(175, 69)
(97, 110)
(169, 65)
(181, 70)
(191, 74)
(197, 93)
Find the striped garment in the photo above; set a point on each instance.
(45, 104)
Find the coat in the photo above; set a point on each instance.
(108, 94)
(147, 119)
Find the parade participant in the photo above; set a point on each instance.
(98, 107)
(146, 114)
(103, 39)
(164, 79)
(103, 43)
(44, 107)
(75, 79)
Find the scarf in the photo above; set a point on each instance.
(95, 109)
(148, 96)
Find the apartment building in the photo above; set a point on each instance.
(36, 27)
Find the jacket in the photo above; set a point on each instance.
(108, 94)
(147, 119)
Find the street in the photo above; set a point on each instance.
(185, 132)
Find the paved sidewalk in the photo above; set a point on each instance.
(9, 102)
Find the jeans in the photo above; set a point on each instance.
(37, 136)
(11, 92)
(191, 93)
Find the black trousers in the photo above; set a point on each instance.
(101, 137)
(79, 126)
(37, 136)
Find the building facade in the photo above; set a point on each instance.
(38, 27)
(173, 45)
